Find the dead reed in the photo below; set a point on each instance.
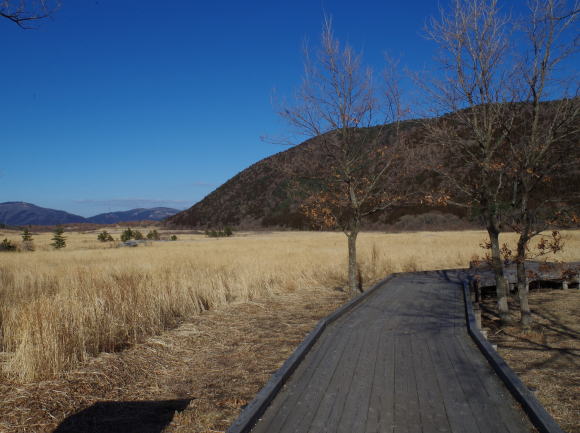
(58, 308)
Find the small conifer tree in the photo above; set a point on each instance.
(153, 235)
(26, 236)
(127, 235)
(27, 244)
(137, 235)
(105, 236)
(173, 237)
(59, 241)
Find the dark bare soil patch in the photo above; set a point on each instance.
(195, 378)
(546, 357)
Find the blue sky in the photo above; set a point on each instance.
(116, 104)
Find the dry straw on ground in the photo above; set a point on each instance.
(59, 308)
(547, 357)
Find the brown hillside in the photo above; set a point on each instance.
(265, 194)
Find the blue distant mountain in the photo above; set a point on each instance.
(17, 213)
(141, 214)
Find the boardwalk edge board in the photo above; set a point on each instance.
(538, 415)
(256, 408)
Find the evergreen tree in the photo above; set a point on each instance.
(26, 236)
(153, 235)
(27, 244)
(105, 236)
(59, 241)
(127, 235)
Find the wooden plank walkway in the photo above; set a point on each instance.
(399, 362)
(564, 273)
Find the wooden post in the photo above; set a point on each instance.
(475, 297)
(477, 314)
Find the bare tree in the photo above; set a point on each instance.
(467, 146)
(22, 12)
(544, 148)
(353, 155)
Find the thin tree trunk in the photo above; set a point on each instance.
(501, 284)
(353, 282)
(522, 283)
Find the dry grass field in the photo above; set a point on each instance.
(60, 308)
(206, 369)
(202, 322)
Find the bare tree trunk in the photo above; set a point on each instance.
(522, 284)
(353, 282)
(501, 284)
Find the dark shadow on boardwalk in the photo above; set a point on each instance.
(123, 417)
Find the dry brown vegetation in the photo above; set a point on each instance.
(206, 368)
(546, 357)
(60, 308)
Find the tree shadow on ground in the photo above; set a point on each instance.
(123, 417)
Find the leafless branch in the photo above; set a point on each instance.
(23, 12)
(355, 149)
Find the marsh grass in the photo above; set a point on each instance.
(58, 308)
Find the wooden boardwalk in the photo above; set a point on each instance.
(399, 362)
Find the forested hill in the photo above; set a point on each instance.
(264, 194)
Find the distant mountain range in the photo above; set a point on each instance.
(16, 213)
(139, 214)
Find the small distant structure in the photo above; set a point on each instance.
(133, 243)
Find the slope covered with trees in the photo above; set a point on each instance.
(267, 194)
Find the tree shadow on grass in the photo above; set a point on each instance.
(123, 417)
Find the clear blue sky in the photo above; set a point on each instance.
(116, 104)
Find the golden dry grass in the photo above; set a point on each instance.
(59, 308)
(217, 361)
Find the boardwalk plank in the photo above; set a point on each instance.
(355, 412)
(283, 413)
(432, 410)
(380, 415)
(407, 419)
(490, 384)
(282, 408)
(484, 412)
(458, 411)
(399, 362)
(308, 404)
(328, 415)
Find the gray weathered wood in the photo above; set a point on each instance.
(401, 361)
(564, 273)
(251, 413)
